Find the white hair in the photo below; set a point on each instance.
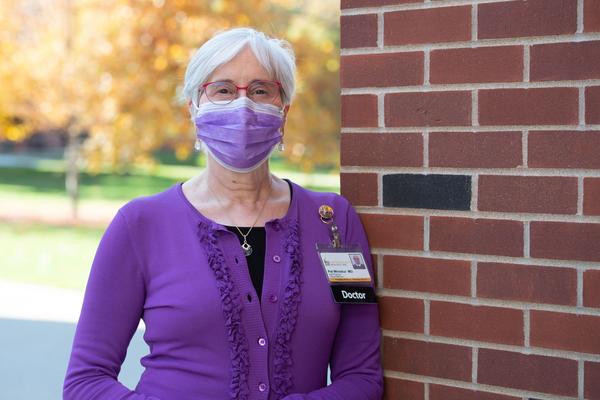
(275, 55)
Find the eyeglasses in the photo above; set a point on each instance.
(224, 92)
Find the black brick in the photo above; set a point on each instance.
(442, 192)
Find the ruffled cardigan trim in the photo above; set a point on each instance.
(282, 360)
(232, 308)
(240, 361)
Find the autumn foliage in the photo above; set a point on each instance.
(113, 69)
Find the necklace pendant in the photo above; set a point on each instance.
(247, 249)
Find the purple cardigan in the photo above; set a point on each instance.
(210, 338)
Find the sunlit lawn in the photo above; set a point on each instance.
(49, 255)
(47, 179)
(60, 255)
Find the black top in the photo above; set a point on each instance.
(256, 260)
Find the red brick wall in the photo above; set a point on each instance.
(471, 149)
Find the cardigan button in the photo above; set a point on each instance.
(276, 258)
(273, 298)
(262, 387)
(276, 226)
(262, 341)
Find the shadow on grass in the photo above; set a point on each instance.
(101, 186)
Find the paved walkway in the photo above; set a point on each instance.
(37, 324)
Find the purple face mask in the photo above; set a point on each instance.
(239, 135)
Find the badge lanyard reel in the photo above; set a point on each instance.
(344, 265)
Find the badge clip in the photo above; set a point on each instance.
(326, 215)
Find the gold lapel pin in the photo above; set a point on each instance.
(326, 213)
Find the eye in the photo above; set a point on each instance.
(258, 90)
(263, 89)
(220, 89)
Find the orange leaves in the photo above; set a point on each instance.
(115, 68)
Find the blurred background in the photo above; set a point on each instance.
(90, 118)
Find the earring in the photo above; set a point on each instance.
(281, 146)
(197, 145)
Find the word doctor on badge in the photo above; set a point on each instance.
(344, 265)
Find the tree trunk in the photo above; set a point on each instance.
(72, 156)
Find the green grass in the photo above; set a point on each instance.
(48, 255)
(62, 256)
(48, 180)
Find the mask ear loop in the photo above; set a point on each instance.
(195, 101)
(196, 109)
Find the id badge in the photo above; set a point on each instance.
(346, 270)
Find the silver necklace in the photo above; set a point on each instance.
(245, 246)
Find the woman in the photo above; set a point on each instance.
(223, 268)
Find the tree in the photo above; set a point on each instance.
(113, 69)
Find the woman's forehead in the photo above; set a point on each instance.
(241, 69)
